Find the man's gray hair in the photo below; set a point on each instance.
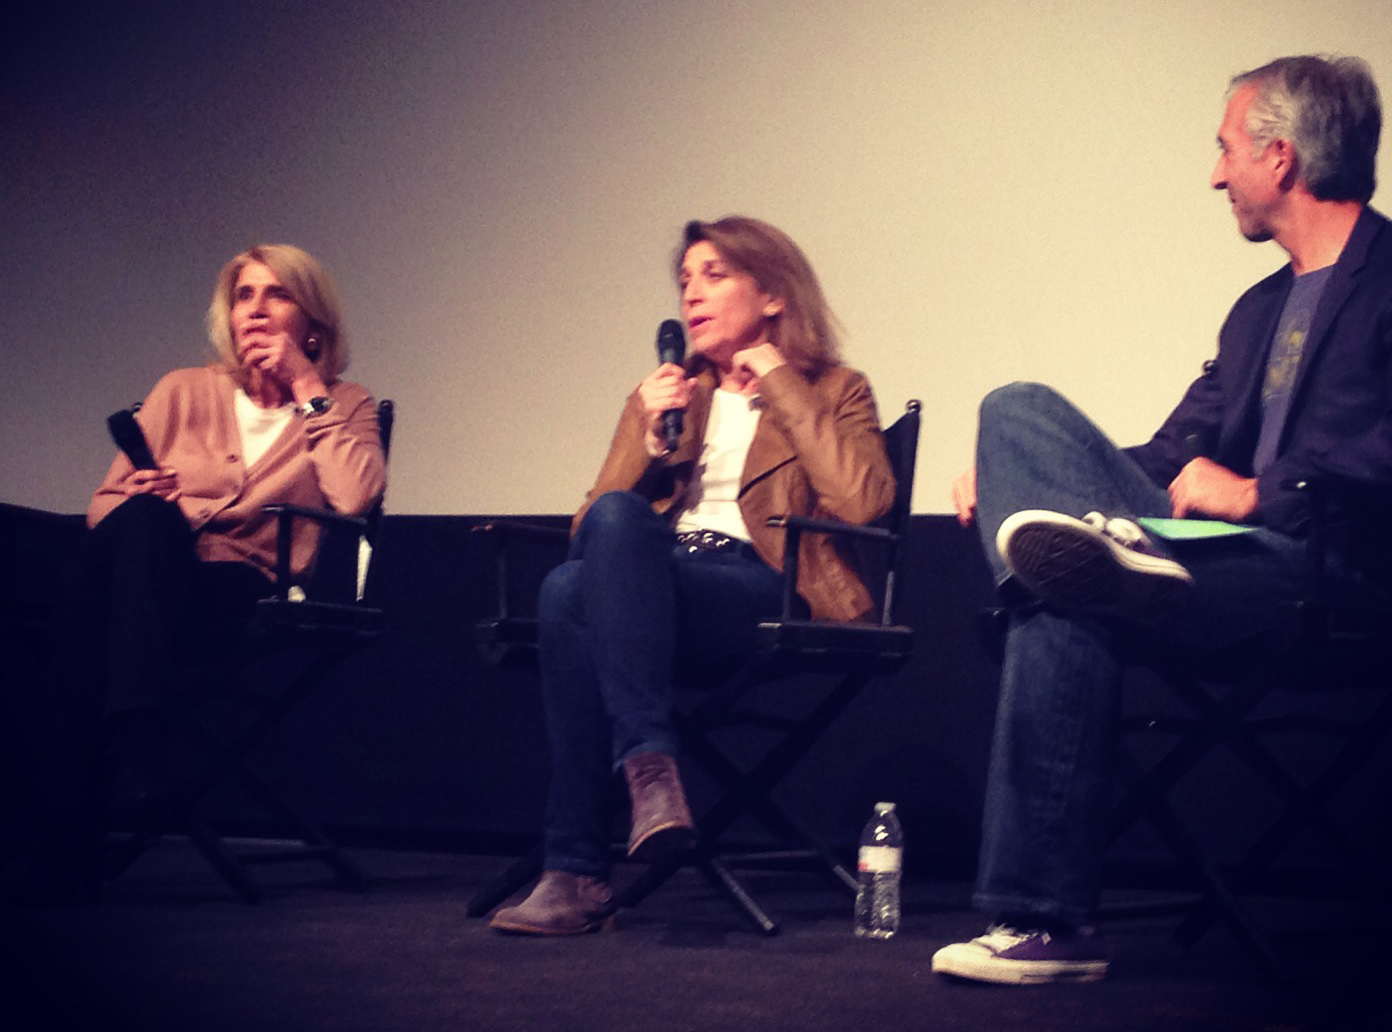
(1328, 108)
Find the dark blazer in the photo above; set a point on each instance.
(1340, 418)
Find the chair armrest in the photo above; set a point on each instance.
(820, 526)
(1325, 493)
(521, 528)
(796, 525)
(285, 517)
(318, 515)
(503, 533)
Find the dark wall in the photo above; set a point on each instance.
(420, 742)
(424, 738)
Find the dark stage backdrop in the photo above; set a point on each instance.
(422, 743)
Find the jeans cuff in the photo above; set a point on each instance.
(571, 865)
(662, 745)
(1045, 908)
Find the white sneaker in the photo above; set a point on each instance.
(1011, 956)
(1093, 565)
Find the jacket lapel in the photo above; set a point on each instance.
(1336, 293)
(1245, 416)
(769, 450)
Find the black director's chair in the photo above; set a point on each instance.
(291, 648)
(838, 659)
(1302, 717)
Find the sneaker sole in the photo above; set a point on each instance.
(1072, 565)
(983, 966)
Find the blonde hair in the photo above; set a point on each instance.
(308, 285)
(805, 331)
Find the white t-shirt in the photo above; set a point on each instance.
(712, 500)
(259, 426)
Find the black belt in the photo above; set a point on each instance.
(709, 541)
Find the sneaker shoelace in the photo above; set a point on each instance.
(999, 938)
(1123, 531)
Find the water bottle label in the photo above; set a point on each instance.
(880, 859)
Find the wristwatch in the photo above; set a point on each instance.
(317, 406)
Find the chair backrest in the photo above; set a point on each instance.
(344, 551)
(901, 445)
(386, 422)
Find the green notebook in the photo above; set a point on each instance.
(1191, 530)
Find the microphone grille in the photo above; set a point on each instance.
(671, 342)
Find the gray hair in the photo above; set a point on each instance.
(1329, 110)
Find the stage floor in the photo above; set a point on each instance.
(167, 948)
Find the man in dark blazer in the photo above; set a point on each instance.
(1301, 386)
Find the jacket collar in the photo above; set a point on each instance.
(769, 449)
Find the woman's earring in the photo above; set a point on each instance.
(311, 347)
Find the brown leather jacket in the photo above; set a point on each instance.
(333, 459)
(817, 451)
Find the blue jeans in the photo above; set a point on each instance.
(1049, 785)
(615, 620)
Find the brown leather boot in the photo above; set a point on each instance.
(662, 824)
(561, 904)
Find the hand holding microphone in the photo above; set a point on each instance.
(148, 477)
(667, 392)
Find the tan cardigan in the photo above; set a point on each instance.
(817, 451)
(334, 460)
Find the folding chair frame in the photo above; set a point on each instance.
(1223, 713)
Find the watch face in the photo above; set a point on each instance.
(318, 406)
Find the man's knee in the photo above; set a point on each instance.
(1015, 399)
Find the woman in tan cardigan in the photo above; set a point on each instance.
(174, 547)
(672, 562)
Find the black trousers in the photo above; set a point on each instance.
(125, 613)
(131, 604)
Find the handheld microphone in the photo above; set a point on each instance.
(126, 432)
(671, 347)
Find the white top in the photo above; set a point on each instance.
(259, 426)
(712, 500)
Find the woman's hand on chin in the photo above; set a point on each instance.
(752, 364)
(281, 359)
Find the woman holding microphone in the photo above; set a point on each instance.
(672, 564)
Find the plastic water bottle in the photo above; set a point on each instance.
(880, 863)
